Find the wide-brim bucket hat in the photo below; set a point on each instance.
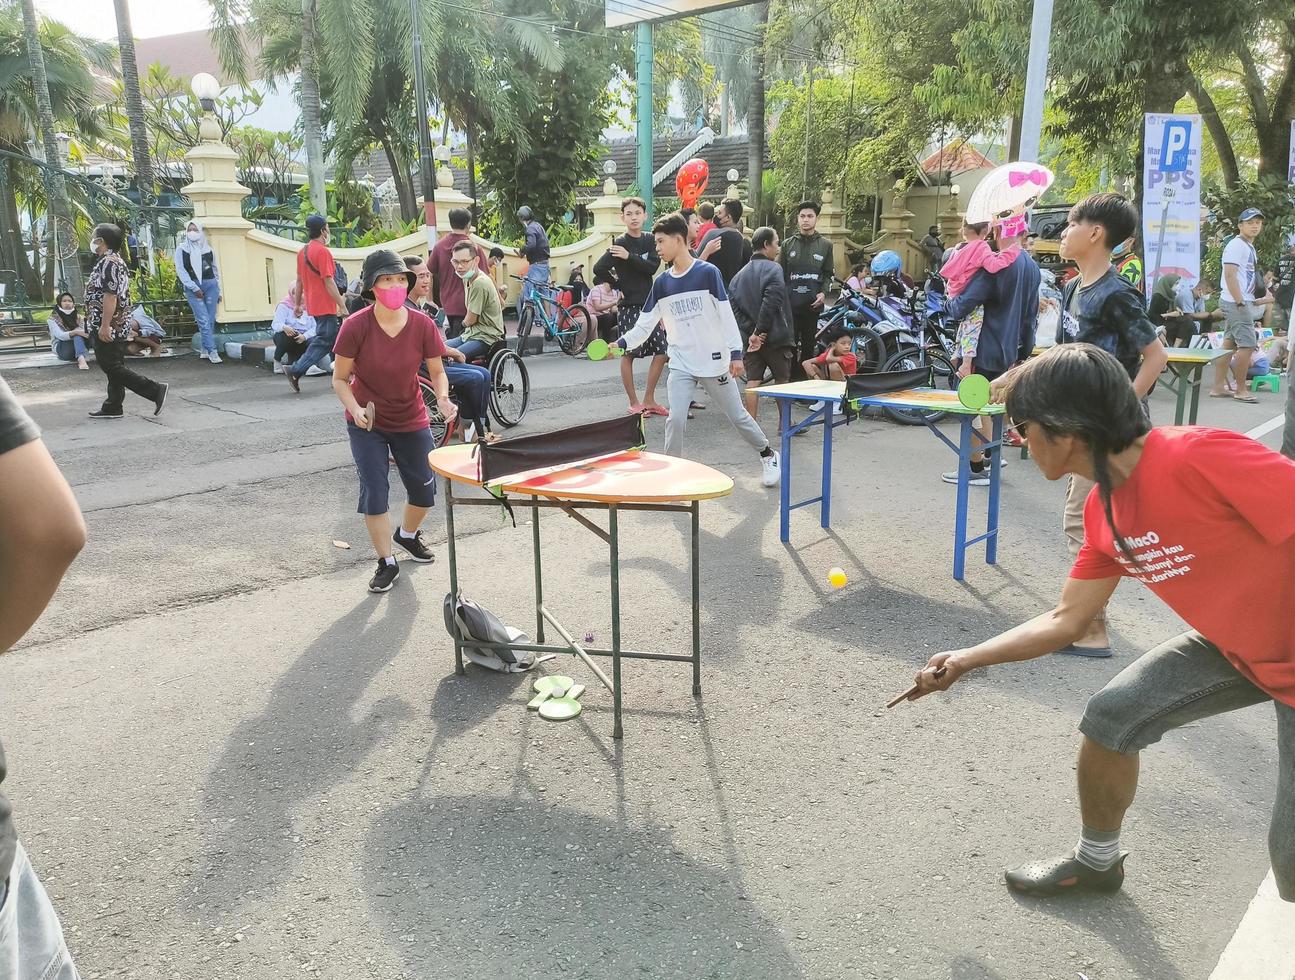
(383, 262)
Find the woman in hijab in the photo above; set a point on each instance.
(1162, 300)
(67, 334)
(195, 265)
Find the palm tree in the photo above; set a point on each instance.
(134, 103)
(68, 59)
(45, 119)
(361, 58)
(229, 23)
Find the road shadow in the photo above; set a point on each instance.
(1120, 922)
(304, 742)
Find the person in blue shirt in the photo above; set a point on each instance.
(1010, 298)
(704, 342)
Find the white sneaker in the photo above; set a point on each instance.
(771, 469)
(980, 479)
(213, 357)
(469, 432)
(815, 406)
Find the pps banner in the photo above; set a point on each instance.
(1171, 198)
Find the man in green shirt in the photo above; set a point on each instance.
(483, 326)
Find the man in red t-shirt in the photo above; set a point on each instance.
(1197, 524)
(447, 287)
(315, 292)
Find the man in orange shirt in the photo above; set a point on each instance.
(447, 287)
(316, 293)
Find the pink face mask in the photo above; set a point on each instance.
(391, 296)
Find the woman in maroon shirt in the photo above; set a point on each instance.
(376, 360)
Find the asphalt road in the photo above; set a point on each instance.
(228, 760)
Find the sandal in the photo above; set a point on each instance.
(1248, 399)
(655, 410)
(1222, 394)
(1064, 874)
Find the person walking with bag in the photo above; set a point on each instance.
(195, 266)
(106, 294)
(317, 294)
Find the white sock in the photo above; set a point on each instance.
(408, 535)
(1099, 849)
(390, 559)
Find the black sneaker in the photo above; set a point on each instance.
(385, 577)
(161, 397)
(1065, 874)
(101, 414)
(416, 546)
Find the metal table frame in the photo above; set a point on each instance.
(1189, 374)
(829, 419)
(611, 537)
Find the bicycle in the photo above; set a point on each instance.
(570, 325)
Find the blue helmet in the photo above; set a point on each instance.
(887, 263)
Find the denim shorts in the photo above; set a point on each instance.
(372, 451)
(31, 940)
(1184, 680)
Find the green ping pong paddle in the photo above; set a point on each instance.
(554, 685)
(599, 349)
(560, 709)
(973, 391)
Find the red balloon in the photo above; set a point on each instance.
(691, 181)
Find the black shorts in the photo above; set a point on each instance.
(989, 376)
(776, 360)
(371, 450)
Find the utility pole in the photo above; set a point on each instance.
(643, 77)
(1036, 81)
(425, 164)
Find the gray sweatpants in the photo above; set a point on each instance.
(1185, 680)
(724, 394)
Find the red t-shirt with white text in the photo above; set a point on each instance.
(386, 368)
(1208, 515)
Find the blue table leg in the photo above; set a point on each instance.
(995, 481)
(784, 480)
(964, 492)
(825, 486)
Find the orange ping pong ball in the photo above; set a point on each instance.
(837, 577)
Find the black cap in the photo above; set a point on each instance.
(383, 262)
(316, 223)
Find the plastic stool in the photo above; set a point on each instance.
(1273, 381)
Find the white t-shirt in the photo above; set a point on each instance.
(1240, 253)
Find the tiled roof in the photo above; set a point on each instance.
(187, 54)
(958, 158)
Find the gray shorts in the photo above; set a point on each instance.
(31, 940)
(1184, 680)
(1239, 326)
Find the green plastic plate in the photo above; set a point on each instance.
(560, 709)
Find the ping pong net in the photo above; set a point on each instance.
(563, 447)
(885, 382)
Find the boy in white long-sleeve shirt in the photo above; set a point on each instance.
(690, 301)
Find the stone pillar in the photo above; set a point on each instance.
(831, 225)
(950, 221)
(217, 199)
(607, 211)
(447, 198)
(895, 221)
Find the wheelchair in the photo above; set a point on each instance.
(510, 393)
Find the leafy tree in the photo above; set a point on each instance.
(552, 145)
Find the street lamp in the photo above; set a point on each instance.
(206, 90)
